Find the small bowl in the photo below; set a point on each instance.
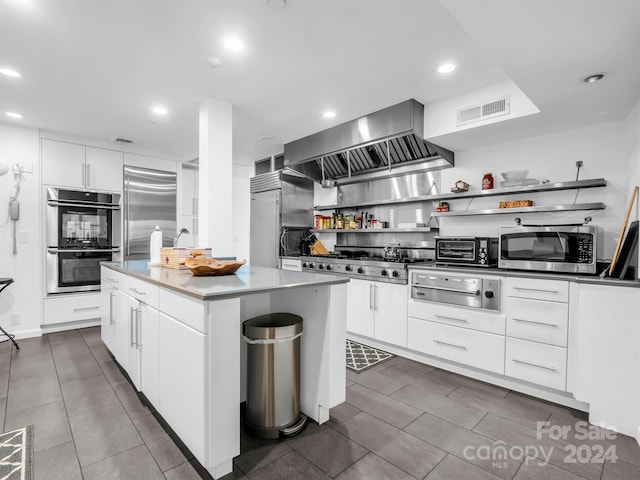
(515, 175)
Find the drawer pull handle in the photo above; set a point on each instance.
(473, 293)
(534, 365)
(444, 317)
(84, 309)
(137, 292)
(440, 342)
(554, 325)
(113, 280)
(536, 290)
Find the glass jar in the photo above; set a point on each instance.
(487, 181)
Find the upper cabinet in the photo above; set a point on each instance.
(78, 166)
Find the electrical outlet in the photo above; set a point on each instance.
(16, 319)
(579, 163)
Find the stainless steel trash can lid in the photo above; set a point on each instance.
(273, 325)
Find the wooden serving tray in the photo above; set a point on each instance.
(201, 266)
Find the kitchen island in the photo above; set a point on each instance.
(178, 337)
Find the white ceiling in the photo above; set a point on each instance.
(94, 68)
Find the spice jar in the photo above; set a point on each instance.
(487, 181)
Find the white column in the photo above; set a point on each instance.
(216, 177)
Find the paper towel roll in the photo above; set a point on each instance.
(154, 246)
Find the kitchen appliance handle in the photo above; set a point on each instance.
(554, 325)
(127, 212)
(111, 296)
(534, 364)
(542, 290)
(284, 232)
(80, 250)
(106, 206)
(454, 290)
(444, 317)
(131, 309)
(440, 342)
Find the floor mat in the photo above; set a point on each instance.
(16, 454)
(361, 357)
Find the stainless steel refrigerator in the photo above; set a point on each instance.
(281, 215)
(149, 200)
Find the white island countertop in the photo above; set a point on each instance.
(248, 280)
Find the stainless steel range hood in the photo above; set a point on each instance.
(382, 144)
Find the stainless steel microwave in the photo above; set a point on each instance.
(553, 248)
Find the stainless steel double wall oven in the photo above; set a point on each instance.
(83, 229)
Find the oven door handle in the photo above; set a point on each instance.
(108, 206)
(55, 251)
(475, 293)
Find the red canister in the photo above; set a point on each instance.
(487, 181)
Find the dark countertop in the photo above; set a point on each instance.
(591, 279)
(247, 280)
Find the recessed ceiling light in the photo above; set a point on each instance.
(446, 68)
(265, 138)
(596, 77)
(277, 4)
(9, 73)
(233, 44)
(329, 114)
(13, 115)
(159, 110)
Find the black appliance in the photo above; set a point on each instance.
(467, 251)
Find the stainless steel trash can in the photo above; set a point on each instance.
(273, 375)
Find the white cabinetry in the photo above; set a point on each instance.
(72, 308)
(294, 264)
(378, 310)
(537, 331)
(78, 166)
(189, 205)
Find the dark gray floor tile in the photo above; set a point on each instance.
(378, 382)
(6, 349)
(397, 447)
(533, 471)
(31, 392)
(422, 379)
(256, 452)
(101, 353)
(470, 383)
(620, 471)
(56, 463)
(372, 466)
(391, 411)
(462, 443)
(515, 408)
(136, 463)
(81, 396)
(349, 383)
(343, 412)
(100, 434)
(408, 364)
(113, 373)
(453, 467)
(131, 401)
(77, 368)
(291, 466)
(51, 426)
(91, 335)
(627, 449)
(443, 407)
(162, 448)
(328, 450)
(4, 384)
(31, 346)
(69, 350)
(539, 444)
(66, 337)
(186, 471)
(3, 407)
(25, 367)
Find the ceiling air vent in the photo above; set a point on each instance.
(122, 140)
(477, 113)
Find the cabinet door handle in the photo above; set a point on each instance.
(542, 290)
(138, 328)
(197, 205)
(440, 342)
(84, 175)
(371, 296)
(444, 317)
(137, 292)
(534, 365)
(554, 325)
(111, 320)
(88, 173)
(131, 343)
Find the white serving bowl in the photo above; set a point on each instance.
(515, 175)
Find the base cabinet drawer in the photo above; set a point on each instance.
(72, 308)
(544, 365)
(536, 320)
(538, 289)
(462, 345)
(142, 291)
(474, 319)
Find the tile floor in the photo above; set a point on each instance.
(402, 420)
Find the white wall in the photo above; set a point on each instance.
(633, 169)
(604, 150)
(24, 297)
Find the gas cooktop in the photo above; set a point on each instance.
(365, 267)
